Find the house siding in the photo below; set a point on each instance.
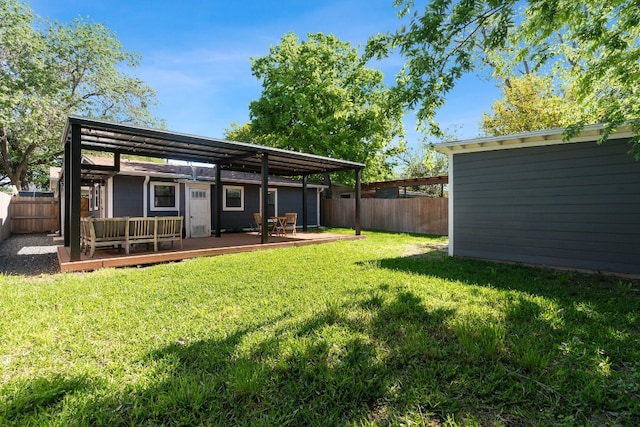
(128, 201)
(289, 200)
(127, 195)
(568, 205)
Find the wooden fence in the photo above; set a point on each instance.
(419, 215)
(34, 215)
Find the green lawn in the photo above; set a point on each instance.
(380, 331)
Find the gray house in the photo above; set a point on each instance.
(142, 188)
(534, 199)
(119, 139)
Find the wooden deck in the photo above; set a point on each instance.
(206, 246)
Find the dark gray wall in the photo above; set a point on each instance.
(128, 201)
(127, 195)
(569, 205)
(289, 200)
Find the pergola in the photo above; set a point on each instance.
(82, 133)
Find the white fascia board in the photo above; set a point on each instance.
(250, 182)
(154, 175)
(529, 139)
(189, 178)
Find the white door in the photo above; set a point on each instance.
(198, 221)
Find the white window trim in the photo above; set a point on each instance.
(152, 192)
(273, 190)
(110, 198)
(224, 198)
(96, 197)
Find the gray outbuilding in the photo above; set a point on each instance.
(532, 198)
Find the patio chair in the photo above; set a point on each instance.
(290, 222)
(258, 220)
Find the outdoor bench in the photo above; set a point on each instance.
(127, 231)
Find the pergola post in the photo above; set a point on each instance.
(60, 205)
(305, 210)
(265, 198)
(73, 181)
(358, 197)
(66, 174)
(218, 201)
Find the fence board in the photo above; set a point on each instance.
(34, 215)
(419, 215)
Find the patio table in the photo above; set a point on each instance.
(278, 225)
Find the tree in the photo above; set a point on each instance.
(449, 38)
(49, 70)
(240, 133)
(319, 97)
(531, 103)
(424, 161)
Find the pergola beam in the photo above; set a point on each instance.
(98, 135)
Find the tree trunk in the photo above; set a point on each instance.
(328, 194)
(14, 177)
(16, 173)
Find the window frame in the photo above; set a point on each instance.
(224, 198)
(273, 190)
(96, 196)
(152, 201)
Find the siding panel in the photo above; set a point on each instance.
(127, 195)
(568, 205)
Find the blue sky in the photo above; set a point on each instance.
(196, 53)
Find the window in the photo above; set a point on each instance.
(96, 196)
(164, 196)
(272, 202)
(198, 194)
(233, 198)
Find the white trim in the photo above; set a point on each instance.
(271, 184)
(275, 195)
(110, 197)
(145, 192)
(95, 195)
(318, 191)
(541, 138)
(451, 196)
(211, 179)
(224, 198)
(176, 205)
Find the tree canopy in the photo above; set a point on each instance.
(240, 133)
(530, 103)
(319, 97)
(597, 42)
(49, 70)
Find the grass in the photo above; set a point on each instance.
(381, 331)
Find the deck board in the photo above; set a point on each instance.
(192, 248)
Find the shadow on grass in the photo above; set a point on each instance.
(582, 354)
(38, 399)
(555, 284)
(330, 369)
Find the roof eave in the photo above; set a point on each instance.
(529, 139)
